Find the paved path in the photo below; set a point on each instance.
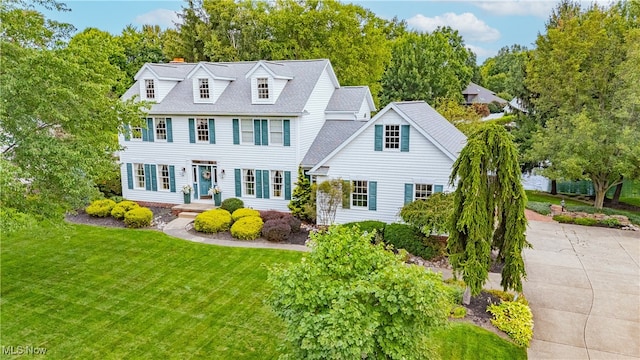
(583, 287)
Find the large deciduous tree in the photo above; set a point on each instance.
(59, 115)
(505, 72)
(426, 67)
(578, 74)
(488, 210)
(349, 299)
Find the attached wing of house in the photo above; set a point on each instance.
(475, 93)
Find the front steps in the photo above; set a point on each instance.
(190, 211)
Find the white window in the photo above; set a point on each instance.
(203, 84)
(202, 130)
(263, 88)
(392, 137)
(277, 184)
(139, 176)
(249, 182)
(150, 88)
(422, 191)
(163, 176)
(136, 133)
(247, 131)
(276, 132)
(161, 129)
(359, 194)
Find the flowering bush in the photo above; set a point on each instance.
(187, 189)
(214, 190)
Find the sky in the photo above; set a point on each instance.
(486, 26)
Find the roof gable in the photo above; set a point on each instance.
(350, 98)
(211, 70)
(276, 70)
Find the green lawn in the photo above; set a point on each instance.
(96, 293)
(548, 198)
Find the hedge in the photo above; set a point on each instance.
(403, 236)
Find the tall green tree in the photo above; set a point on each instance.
(60, 115)
(505, 72)
(140, 46)
(426, 67)
(488, 210)
(576, 72)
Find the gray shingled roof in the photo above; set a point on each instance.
(482, 95)
(332, 134)
(236, 99)
(434, 124)
(348, 98)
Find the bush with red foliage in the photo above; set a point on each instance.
(276, 230)
(268, 215)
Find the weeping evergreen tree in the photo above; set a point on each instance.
(488, 210)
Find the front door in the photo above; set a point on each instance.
(205, 179)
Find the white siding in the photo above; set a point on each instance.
(365, 111)
(162, 87)
(216, 87)
(315, 106)
(424, 163)
(228, 156)
(262, 73)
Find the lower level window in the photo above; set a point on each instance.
(422, 191)
(249, 180)
(163, 175)
(139, 176)
(276, 180)
(359, 195)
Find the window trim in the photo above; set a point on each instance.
(139, 131)
(281, 132)
(137, 176)
(245, 183)
(274, 184)
(150, 88)
(156, 129)
(206, 131)
(204, 89)
(251, 129)
(161, 177)
(427, 191)
(262, 88)
(391, 142)
(364, 201)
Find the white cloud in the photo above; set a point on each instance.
(536, 8)
(481, 53)
(469, 26)
(162, 17)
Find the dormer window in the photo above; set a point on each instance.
(263, 88)
(150, 88)
(203, 85)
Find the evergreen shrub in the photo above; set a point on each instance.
(212, 221)
(585, 221)
(515, 319)
(122, 208)
(138, 217)
(100, 208)
(564, 219)
(231, 204)
(276, 229)
(403, 236)
(243, 212)
(247, 228)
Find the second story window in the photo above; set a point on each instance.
(150, 89)
(136, 133)
(202, 130)
(161, 129)
(247, 131)
(204, 88)
(263, 88)
(276, 132)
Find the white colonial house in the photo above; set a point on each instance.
(246, 127)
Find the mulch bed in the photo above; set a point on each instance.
(161, 217)
(299, 238)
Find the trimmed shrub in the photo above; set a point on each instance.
(276, 229)
(244, 212)
(539, 207)
(138, 217)
(247, 228)
(565, 219)
(610, 222)
(515, 319)
(368, 226)
(267, 215)
(122, 208)
(100, 208)
(403, 236)
(458, 312)
(212, 221)
(231, 204)
(294, 223)
(117, 198)
(585, 221)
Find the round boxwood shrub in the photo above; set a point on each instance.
(403, 236)
(138, 217)
(247, 228)
(100, 208)
(276, 229)
(244, 212)
(231, 204)
(213, 221)
(122, 208)
(585, 221)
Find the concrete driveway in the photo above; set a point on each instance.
(583, 287)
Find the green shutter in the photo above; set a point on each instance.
(172, 178)
(408, 193)
(147, 177)
(265, 132)
(212, 131)
(373, 195)
(236, 131)
(286, 128)
(192, 130)
(346, 194)
(154, 177)
(145, 134)
(378, 138)
(238, 176)
(258, 177)
(127, 132)
(169, 130)
(150, 129)
(265, 184)
(404, 138)
(257, 140)
(129, 176)
(437, 188)
(287, 185)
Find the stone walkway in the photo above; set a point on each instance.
(583, 287)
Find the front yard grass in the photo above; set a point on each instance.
(92, 292)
